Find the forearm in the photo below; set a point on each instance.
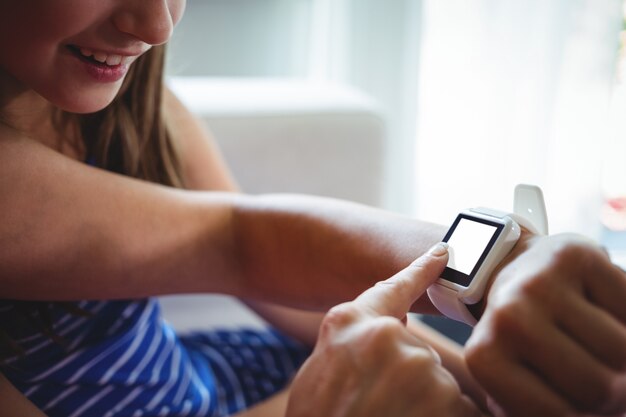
(299, 324)
(313, 253)
(71, 232)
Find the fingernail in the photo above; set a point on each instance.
(439, 249)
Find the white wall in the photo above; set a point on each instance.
(370, 45)
(374, 46)
(255, 38)
(516, 92)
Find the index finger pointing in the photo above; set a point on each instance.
(395, 296)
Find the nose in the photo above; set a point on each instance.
(151, 21)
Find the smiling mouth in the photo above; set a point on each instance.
(100, 58)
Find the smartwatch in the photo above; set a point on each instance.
(478, 240)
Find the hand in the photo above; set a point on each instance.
(366, 363)
(552, 340)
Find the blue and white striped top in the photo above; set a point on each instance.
(121, 359)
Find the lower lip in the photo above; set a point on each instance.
(101, 72)
(106, 74)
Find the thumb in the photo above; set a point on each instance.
(395, 296)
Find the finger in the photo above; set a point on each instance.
(494, 408)
(601, 334)
(520, 393)
(515, 388)
(567, 368)
(467, 408)
(395, 296)
(607, 288)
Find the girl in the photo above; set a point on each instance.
(111, 193)
(101, 170)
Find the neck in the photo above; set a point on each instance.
(20, 107)
(26, 112)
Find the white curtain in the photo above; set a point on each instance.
(515, 91)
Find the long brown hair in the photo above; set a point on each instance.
(129, 137)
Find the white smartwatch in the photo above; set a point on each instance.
(478, 240)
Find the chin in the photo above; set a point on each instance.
(84, 102)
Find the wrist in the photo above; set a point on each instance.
(498, 275)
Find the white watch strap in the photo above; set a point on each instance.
(528, 203)
(448, 303)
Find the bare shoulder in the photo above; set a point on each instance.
(16, 153)
(13, 403)
(203, 164)
(8, 135)
(5, 132)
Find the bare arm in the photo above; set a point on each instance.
(311, 244)
(70, 231)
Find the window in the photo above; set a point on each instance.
(515, 92)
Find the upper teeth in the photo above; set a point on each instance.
(109, 59)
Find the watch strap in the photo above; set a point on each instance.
(528, 202)
(448, 303)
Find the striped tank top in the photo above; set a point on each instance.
(120, 358)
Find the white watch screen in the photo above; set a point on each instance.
(470, 241)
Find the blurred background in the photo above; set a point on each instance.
(461, 100)
(476, 96)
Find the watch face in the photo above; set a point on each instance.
(470, 239)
